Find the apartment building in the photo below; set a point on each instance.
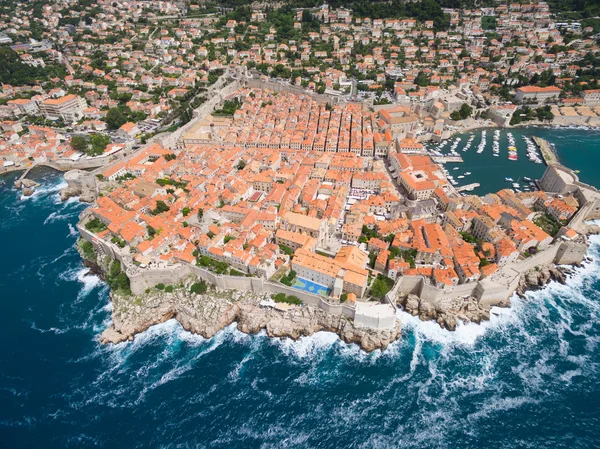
(534, 94)
(68, 108)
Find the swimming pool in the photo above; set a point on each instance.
(311, 287)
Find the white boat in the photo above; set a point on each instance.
(461, 177)
(507, 179)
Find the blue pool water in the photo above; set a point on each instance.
(311, 287)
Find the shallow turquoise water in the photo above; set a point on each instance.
(529, 378)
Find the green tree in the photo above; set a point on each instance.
(115, 118)
(98, 144)
(381, 286)
(79, 143)
(161, 207)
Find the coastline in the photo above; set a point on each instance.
(207, 314)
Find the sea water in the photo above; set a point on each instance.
(528, 378)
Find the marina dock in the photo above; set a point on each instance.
(546, 150)
(444, 159)
(468, 187)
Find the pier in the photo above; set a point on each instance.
(444, 159)
(467, 188)
(546, 150)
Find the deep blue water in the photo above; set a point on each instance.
(528, 378)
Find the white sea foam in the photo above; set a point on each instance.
(52, 330)
(465, 333)
(499, 404)
(73, 232)
(44, 190)
(60, 216)
(307, 347)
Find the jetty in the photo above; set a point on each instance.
(546, 150)
(444, 159)
(468, 187)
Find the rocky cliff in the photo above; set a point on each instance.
(468, 310)
(538, 277)
(209, 313)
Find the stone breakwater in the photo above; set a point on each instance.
(208, 313)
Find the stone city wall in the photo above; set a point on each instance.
(206, 108)
(256, 83)
(570, 253)
(142, 279)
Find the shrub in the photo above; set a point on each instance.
(161, 207)
(199, 288)
(288, 279)
(291, 299)
(169, 289)
(160, 286)
(95, 226)
(88, 251)
(381, 286)
(286, 250)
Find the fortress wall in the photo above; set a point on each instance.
(100, 246)
(408, 285)
(276, 87)
(492, 294)
(382, 322)
(206, 108)
(542, 258)
(148, 279)
(570, 253)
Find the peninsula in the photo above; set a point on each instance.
(294, 216)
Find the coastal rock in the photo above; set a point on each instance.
(28, 183)
(25, 183)
(448, 315)
(538, 277)
(27, 191)
(81, 184)
(87, 197)
(68, 192)
(207, 314)
(426, 311)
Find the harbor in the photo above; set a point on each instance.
(489, 160)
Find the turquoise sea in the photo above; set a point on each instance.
(530, 378)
